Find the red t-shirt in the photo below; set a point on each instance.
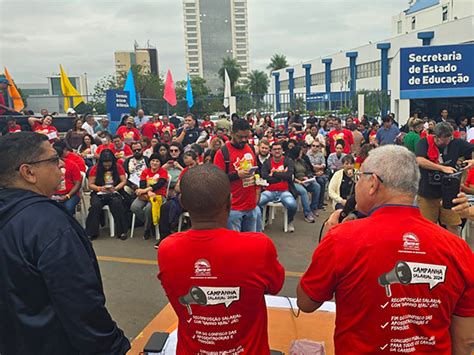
(182, 173)
(78, 160)
(128, 135)
(343, 134)
(244, 192)
(49, 131)
(226, 301)
(149, 130)
(151, 178)
(14, 129)
(108, 177)
(2, 102)
(168, 127)
(205, 124)
(124, 152)
(470, 178)
(70, 175)
(278, 168)
(372, 137)
(431, 276)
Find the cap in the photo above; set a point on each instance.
(4, 81)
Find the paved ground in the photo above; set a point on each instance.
(134, 294)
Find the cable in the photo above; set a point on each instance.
(295, 314)
(321, 230)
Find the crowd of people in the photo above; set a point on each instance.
(224, 174)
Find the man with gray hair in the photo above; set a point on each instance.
(401, 283)
(438, 155)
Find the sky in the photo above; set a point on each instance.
(83, 35)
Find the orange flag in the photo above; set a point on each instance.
(18, 104)
(170, 93)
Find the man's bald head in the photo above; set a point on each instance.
(205, 191)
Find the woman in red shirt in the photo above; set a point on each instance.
(107, 180)
(44, 126)
(153, 182)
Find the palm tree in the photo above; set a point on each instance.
(278, 61)
(233, 69)
(258, 83)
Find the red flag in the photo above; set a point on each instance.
(170, 93)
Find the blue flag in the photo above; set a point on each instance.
(189, 94)
(130, 87)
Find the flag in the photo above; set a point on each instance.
(227, 91)
(130, 87)
(189, 94)
(170, 93)
(18, 104)
(69, 92)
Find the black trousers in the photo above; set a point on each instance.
(115, 203)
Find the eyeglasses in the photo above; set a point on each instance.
(53, 160)
(316, 145)
(174, 150)
(358, 174)
(137, 150)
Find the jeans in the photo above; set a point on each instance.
(142, 210)
(244, 221)
(285, 197)
(303, 191)
(70, 205)
(322, 181)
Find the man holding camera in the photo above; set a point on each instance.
(402, 284)
(437, 155)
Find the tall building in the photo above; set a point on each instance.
(214, 30)
(146, 57)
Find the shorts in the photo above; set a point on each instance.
(432, 210)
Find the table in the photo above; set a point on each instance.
(283, 327)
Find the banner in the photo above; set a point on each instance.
(118, 105)
(437, 71)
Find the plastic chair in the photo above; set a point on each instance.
(110, 220)
(182, 216)
(82, 202)
(272, 206)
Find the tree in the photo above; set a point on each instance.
(277, 62)
(233, 69)
(258, 83)
(97, 100)
(200, 95)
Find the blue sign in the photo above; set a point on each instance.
(437, 71)
(118, 105)
(325, 97)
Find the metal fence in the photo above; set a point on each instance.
(376, 104)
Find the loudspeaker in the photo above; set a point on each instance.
(195, 296)
(401, 274)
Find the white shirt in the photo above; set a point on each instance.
(89, 129)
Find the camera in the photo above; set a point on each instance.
(435, 178)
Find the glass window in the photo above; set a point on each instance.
(399, 27)
(192, 35)
(445, 13)
(190, 11)
(413, 22)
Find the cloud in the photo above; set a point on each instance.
(83, 35)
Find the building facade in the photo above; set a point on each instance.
(146, 57)
(379, 66)
(214, 30)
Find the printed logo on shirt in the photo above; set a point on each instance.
(210, 296)
(202, 268)
(411, 244)
(245, 163)
(408, 273)
(152, 180)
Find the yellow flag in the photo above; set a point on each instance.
(18, 104)
(69, 91)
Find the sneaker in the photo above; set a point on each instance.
(122, 236)
(157, 244)
(291, 227)
(309, 218)
(315, 213)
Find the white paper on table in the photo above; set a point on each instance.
(134, 179)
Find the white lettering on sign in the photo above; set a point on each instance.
(439, 57)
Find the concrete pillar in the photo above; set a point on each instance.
(291, 86)
(352, 70)
(276, 75)
(384, 47)
(307, 74)
(426, 37)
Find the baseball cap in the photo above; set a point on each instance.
(4, 81)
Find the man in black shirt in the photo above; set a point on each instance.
(437, 155)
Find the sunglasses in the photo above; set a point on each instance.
(53, 160)
(174, 150)
(137, 150)
(317, 146)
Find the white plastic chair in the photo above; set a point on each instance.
(110, 219)
(83, 191)
(182, 216)
(272, 206)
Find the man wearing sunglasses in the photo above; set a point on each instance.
(51, 295)
(402, 284)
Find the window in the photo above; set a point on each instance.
(369, 70)
(192, 41)
(192, 46)
(244, 52)
(191, 23)
(445, 13)
(240, 16)
(194, 65)
(240, 28)
(300, 82)
(399, 27)
(192, 35)
(190, 11)
(340, 75)
(241, 40)
(413, 22)
(284, 84)
(240, 22)
(192, 53)
(317, 79)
